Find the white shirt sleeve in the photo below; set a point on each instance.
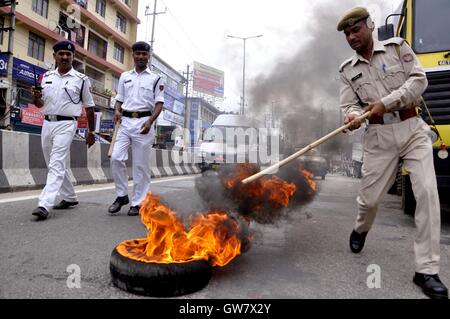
(159, 90)
(87, 99)
(121, 89)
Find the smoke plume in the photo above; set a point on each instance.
(304, 88)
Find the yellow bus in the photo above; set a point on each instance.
(425, 26)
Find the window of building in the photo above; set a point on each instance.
(127, 2)
(119, 52)
(81, 3)
(121, 23)
(97, 45)
(100, 7)
(79, 35)
(76, 31)
(36, 46)
(97, 79)
(40, 7)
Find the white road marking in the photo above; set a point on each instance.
(6, 197)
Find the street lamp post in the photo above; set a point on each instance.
(243, 68)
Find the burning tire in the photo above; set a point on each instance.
(158, 279)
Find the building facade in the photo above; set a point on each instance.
(172, 116)
(103, 31)
(202, 115)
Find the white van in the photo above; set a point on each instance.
(230, 139)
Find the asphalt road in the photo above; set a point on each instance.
(303, 256)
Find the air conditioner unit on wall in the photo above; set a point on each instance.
(64, 33)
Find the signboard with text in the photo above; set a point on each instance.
(32, 115)
(24, 71)
(100, 99)
(208, 80)
(3, 63)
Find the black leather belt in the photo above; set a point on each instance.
(136, 115)
(54, 118)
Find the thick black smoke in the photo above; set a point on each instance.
(305, 85)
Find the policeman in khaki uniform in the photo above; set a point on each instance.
(139, 101)
(63, 93)
(386, 78)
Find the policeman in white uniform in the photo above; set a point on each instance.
(62, 94)
(139, 101)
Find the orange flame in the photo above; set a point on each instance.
(212, 237)
(274, 190)
(309, 178)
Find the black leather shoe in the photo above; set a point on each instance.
(357, 241)
(118, 203)
(64, 205)
(431, 285)
(134, 211)
(41, 213)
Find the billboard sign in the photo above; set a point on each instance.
(24, 71)
(208, 80)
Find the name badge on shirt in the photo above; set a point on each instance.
(356, 77)
(128, 81)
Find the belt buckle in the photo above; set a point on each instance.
(52, 118)
(135, 115)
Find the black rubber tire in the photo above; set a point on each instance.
(158, 280)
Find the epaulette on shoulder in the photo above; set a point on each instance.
(49, 72)
(344, 64)
(81, 75)
(395, 40)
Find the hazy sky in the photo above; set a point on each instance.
(196, 30)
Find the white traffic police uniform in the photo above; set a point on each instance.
(139, 92)
(63, 97)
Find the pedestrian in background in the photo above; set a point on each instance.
(62, 94)
(386, 78)
(139, 101)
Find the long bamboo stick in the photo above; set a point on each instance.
(113, 140)
(272, 169)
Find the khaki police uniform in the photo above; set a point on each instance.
(63, 97)
(139, 92)
(395, 77)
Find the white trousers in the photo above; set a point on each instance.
(129, 135)
(56, 138)
(383, 146)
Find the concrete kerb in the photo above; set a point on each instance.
(22, 164)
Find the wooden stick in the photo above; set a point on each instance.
(113, 140)
(272, 169)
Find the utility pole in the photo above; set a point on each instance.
(187, 109)
(154, 14)
(11, 28)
